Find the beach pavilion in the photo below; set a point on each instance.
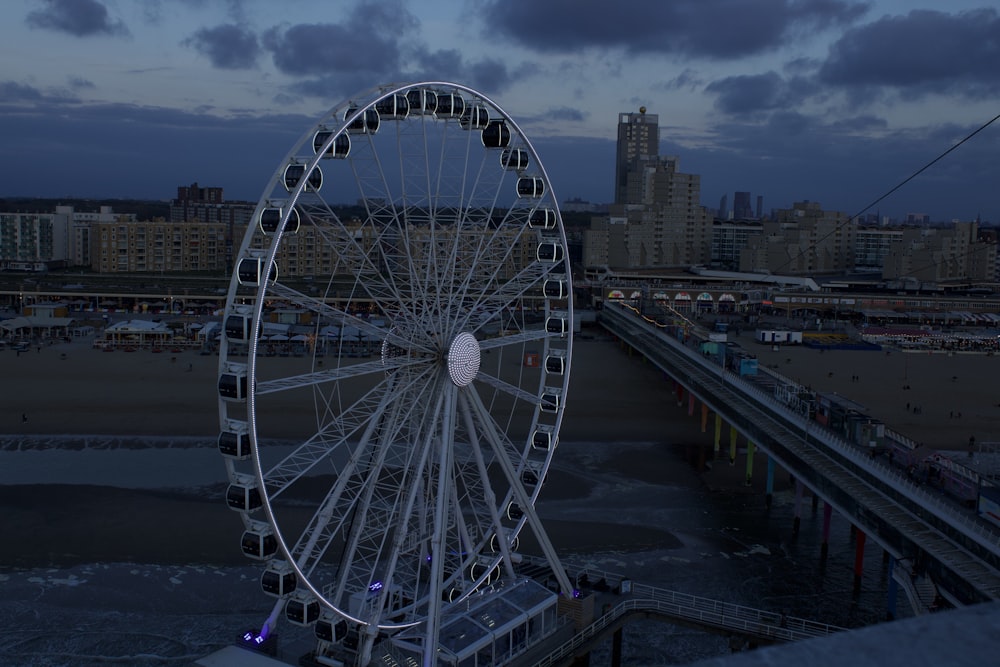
(139, 333)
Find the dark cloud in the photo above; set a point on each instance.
(921, 53)
(720, 29)
(80, 18)
(227, 46)
(755, 93)
(78, 82)
(367, 41)
(14, 93)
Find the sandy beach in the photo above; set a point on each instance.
(70, 388)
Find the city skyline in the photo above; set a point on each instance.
(833, 101)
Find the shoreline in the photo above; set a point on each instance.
(615, 399)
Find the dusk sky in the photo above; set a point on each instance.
(835, 101)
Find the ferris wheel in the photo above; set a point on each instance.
(394, 361)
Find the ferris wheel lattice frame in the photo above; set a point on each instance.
(392, 381)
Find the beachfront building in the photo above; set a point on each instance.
(136, 333)
(872, 245)
(934, 255)
(657, 219)
(804, 239)
(34, 241)
(137, 247)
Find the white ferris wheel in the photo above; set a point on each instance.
(394, 362)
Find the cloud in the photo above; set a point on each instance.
(714, 29)
(367, 41)
(226, 46)
(80, 18)
(924, 52)
(752, 93)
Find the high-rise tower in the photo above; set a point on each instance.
(638, 139)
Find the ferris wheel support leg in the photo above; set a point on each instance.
(524, 500)
(441, 522)
(272, 619)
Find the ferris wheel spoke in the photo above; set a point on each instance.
(507, 388)
(336, 374)
(495, 523)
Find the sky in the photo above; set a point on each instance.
(834, 101)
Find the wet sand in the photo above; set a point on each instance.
(614, 397)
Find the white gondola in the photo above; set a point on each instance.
(243, 494)
(302, 609)
(496, 134)
(549, 250)
(532, 474)
(514, 159)
(542, 218)
(450, 105)
(270, 219)
(514, 512)
(475, 117)
(278, 579)
(557, 323)
(294, 173)
(234, 442)
(554, 288)
(366, 123)
(477, 570)
(555, 362)
(339, 149)
(495, 545)
(249, 271)
(237, 328)
(331, 629)
(393, 107)
(530, 187)
(233, 382)
(551, 399)
(422, 101)
(258, 541)
(543, 438)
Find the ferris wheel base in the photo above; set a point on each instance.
(237, 656)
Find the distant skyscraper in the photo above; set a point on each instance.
(724, 207)
(741, 206)
(638, 138)
(760, 206)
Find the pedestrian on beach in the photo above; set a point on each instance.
(24, 417)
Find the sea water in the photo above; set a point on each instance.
(728, 547)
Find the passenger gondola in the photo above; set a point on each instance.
(496, 134)
(330, 629)
(422, 101)
(551, 400)
(234, 443)
(530, 187)
(243, 494)
(543, 438)
(555, 363)
(258, 542)
(339, 149)
(554, 288)
(514, 159)
(475, 117)
(366, 122)
(294, 173)
(542, 218)
(249, 271)
(278, 579)
(233, 385)
(450, 105)
(393, 107)
(549, 250)
(556, 324)
(514, 512)
(302, 610)
(270, 220)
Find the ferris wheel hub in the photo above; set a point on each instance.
(463, 359)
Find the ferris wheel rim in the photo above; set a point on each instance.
(376, 94)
